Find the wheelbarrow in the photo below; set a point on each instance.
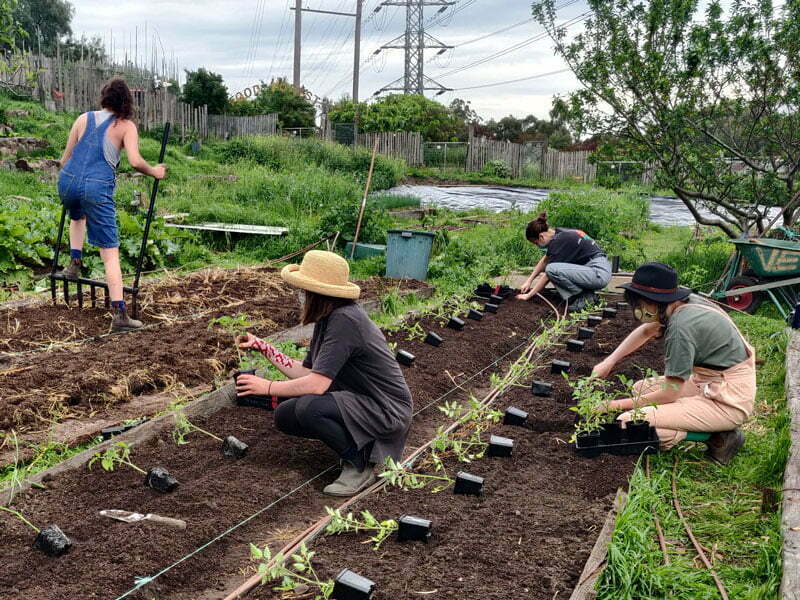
(762, 268)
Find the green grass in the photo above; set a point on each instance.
(722, 504)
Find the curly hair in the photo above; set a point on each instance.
(116, 96)
(536, 227)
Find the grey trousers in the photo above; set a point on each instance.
(570, 279)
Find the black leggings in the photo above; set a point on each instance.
(317, 418)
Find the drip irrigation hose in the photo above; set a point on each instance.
(660, 532)
(695, 543)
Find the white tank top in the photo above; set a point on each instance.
(110, 151)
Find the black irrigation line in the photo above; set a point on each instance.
(142, 581)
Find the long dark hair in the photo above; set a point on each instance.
(536, 227)
(319, 307)
(116, 97)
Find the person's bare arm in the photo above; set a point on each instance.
(635, 340)
(530, 289)
(74, 136)
(313, 383)
(130, 142)
(536, 270)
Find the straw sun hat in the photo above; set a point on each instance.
(323, 273)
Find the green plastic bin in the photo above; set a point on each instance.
(408, 253)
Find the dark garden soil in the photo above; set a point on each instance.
(216, 493)
(529, 534)
(71, 381)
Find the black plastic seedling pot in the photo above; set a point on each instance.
(593, 320)
(255, 400)
(500, 446)
(413, 529)
(494, 299)
(622, 305)
(611, 433)
(475, 315)
(637, 431)
(586, 444)
(585, 333)
(433, 339)
(456, 323)
(490, 308)
(560, 366)
(515, 416)
(52, 541)
(484, 290)
(405, 358)
(618, 442)
(575, 345)
(352, 586)
(542, 388)
(468, 484)
(609, 313)
(160, 480)
(234, 447)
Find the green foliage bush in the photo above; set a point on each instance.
(701, 261)
(610, 218)
(496, 168)
(343, 217)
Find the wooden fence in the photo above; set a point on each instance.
(228, 126)
(397, 144)
(483, 150)
(564, 165)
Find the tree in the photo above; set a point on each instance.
(715, 105)
(205, 87)
(76, 49)
(279, 96)
(45, 22)
(530, 128)
(399, 112)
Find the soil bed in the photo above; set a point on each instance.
(528, 535)
(216, 493)
(39, 388)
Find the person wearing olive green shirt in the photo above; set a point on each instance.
(709, 384)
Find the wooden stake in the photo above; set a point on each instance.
(364, 199)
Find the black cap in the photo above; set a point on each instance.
(658, 282)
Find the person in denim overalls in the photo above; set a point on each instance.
(86, 187)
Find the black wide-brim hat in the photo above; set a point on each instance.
(658, 282)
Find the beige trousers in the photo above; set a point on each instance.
(709, 401)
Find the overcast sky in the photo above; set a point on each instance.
(250, 40)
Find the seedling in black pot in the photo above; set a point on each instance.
(609, 313)
(637, 431)
(119, 454)
(467, 483)
(542, 388)
(50, 540)
(593, 320)
(575, 345)
(253, 400)
(585, 333)
(475, 315)
(405, 358)
(558, 367)
(490, 308)
(183, 427)
(456, 323)
(413, 529)
(515, 416)
(500, 446)
(484, 290)
(351, 586)
(433, 339)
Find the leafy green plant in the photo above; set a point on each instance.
(398, 475)
(496, 168)
(183, 427)
(115, 455)
(301, 571)
(415, 332)
(636, 393)
(592, 394)
(340, 523)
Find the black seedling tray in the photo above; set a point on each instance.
(254, 400)
(490, 308)
(560, 366)
(234, 447)
(475, 315)
(515, 416)
(351, 586)
(456, 323)
(622, 448)
(585, 333)
(52, 541)
(413, 529)
(575, 345)
(542, 389)
(110, 432)
(160, 480)
(467, 483)
(434, 339)
(405, 358)
(500, 446)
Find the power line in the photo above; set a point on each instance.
(499, 83)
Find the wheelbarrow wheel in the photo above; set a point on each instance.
(748, 301)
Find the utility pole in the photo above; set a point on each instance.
(298, 8)
(414, 42)
(298, 33)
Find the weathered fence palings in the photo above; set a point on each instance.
(227, 126)
(398, 144)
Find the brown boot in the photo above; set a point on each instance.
(122, 322)
(73, 269)
(723, 446)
